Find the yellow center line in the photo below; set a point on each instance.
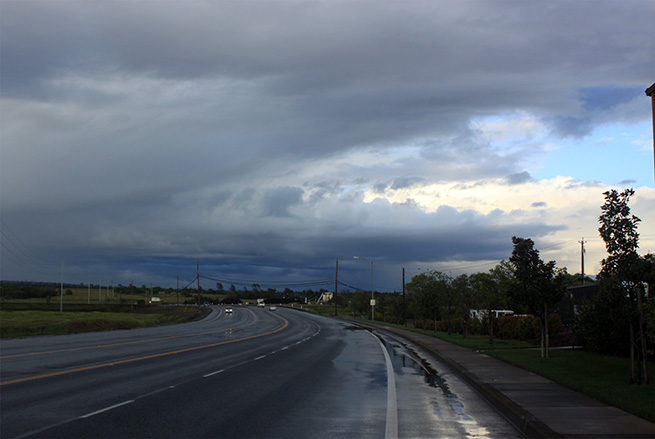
(147, 357)
(30, 354)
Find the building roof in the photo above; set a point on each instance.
(650, 90)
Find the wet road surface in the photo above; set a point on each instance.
(254, 373)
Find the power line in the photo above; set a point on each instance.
(305, 283)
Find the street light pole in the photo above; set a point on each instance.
(372, 298)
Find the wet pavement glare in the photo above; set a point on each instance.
(432, 402)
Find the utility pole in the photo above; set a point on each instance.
(88, 299)
(177, 290)
(198, 277)
(582, 258)
(404, 303)
(100, 291)
(61, 298)
(336, 281)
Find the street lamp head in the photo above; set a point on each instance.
(355, 257)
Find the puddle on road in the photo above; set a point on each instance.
(445, 404)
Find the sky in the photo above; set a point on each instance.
(265, 139)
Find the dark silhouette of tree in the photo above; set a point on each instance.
(624, 272)
(490, 291)
(427, 292)
(538, 285)
(465, 299)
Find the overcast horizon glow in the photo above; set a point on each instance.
(267, 139)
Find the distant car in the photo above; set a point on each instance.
(272, 308)
(228, 310)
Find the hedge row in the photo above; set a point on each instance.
(507, 327)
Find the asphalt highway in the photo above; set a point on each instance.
(254, 373)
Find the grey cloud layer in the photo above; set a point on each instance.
(223, 129)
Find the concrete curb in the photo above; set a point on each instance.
(523, 421)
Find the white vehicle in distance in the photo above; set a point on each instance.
(272, 308)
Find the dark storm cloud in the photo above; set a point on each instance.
(247, 133)
(277, 202)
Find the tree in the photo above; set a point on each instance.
(427, 291)
(624, 271)
(539, 286)
(461, 286)
(490, 291)
(360, 303)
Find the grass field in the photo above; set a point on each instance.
(23, 323)
(98, 296)
(601, 377)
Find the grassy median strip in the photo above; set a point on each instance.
(30, 323)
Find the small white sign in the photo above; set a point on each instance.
(372, 302)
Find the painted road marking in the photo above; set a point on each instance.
(213, 373)
(146, 357)
(391, 428)
(100, 346)
(106, 409)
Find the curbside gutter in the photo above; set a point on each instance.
(523, 421)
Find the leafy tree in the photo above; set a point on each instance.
(427, 291)
(449, 297)
(601, 324)
(461, 286)
(360, 303)
(539, 285)
(490, 292)
(624, 271)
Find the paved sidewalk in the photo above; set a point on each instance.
(535, 405)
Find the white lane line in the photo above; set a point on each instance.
(106, 409)
(213, 373)
(259, 358)
(391, 429)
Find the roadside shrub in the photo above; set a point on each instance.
(475, 326)
(456, 325)
(528, 328)
(554, 324)
(602, 324)
(508, 327)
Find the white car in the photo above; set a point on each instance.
(272, 308)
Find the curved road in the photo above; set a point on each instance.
(252, 373)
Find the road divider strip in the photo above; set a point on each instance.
(146, 357)
(111, 345)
